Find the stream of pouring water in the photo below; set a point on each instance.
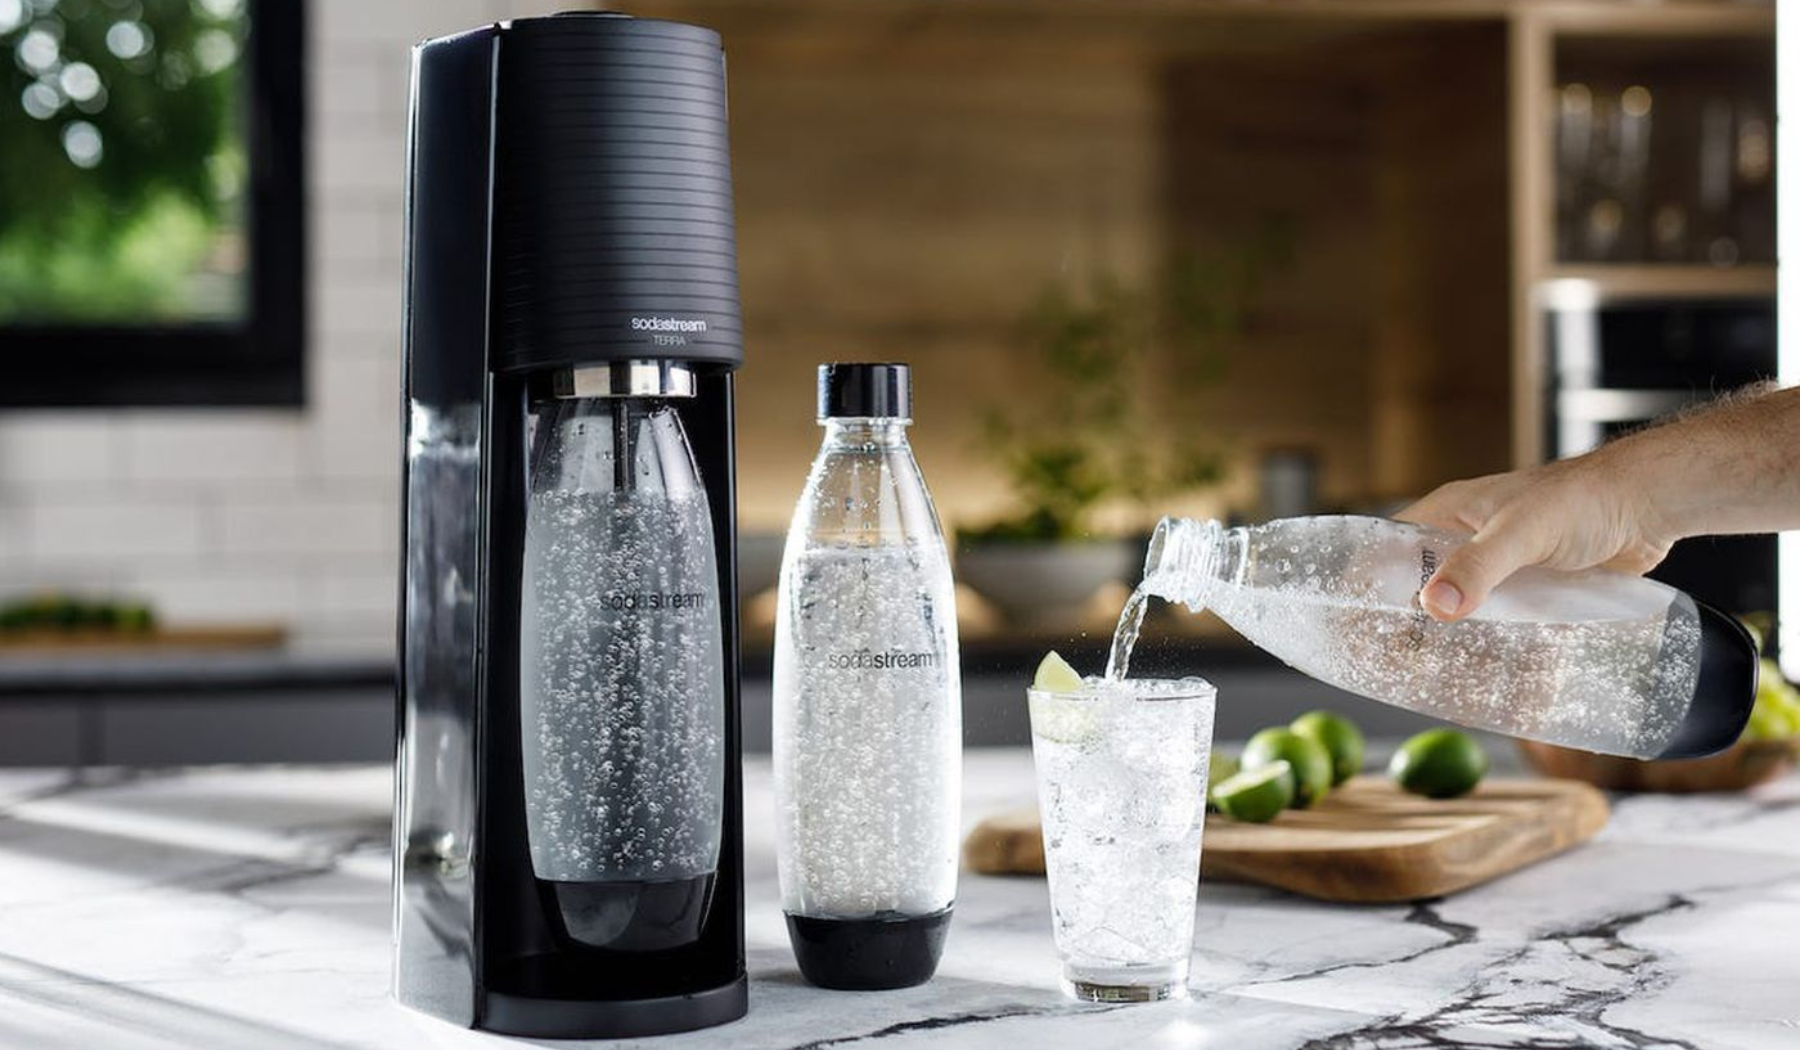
(1125, 636)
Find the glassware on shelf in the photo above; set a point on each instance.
(1666, 165)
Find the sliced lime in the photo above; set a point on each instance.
(1256, 796)
(1054, 675)
(1310, 762)
(1221, 767)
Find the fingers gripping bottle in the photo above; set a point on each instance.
(868, 700)
(1594, 660)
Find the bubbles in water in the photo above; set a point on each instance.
(621, 686)
(867, 785)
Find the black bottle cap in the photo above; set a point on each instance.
(860, 389)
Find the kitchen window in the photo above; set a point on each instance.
(151, 238)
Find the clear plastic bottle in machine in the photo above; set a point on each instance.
(867, 700)
(1594, 660)
(621, 679)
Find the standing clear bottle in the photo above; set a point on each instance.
(1593, 660)
(868, 700)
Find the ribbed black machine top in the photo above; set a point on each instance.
(613, 223)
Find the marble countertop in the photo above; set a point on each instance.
(247, 907)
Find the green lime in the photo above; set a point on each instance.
(1219, 767)
(1766, 723)
(1776, 714)
(1439, 763)
(1054, 675)
(1787, 701)
(1310, 761)
(1338, 736)
(1770, 683)
(1258, 795)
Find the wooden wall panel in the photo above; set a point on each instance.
(1248, 142)
(901, 211)
(1441, 386)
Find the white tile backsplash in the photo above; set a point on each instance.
(224, 446)
(346, 83)
(311, 523)
(15, 540)
(221, 594)
(359, 233)
(355, 311)
(366, 589)
(355, 431)
(118, 531)
(403, 22)
(54, 449)
(359, 162)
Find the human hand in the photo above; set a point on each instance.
(1575, 514)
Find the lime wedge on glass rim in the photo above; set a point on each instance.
(1054, 675)
(1054, 714)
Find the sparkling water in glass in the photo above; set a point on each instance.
(1121, 773)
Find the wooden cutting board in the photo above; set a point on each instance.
(1367, 842)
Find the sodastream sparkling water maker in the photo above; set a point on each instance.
(568, 826)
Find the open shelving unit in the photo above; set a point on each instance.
(1737, 38)
(1667, 280)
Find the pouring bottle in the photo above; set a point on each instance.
(1595, 660)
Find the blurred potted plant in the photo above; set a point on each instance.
(1104, 434)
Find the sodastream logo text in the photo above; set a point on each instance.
(880, 660)
(1415, 633)
(666, 324)
(652, 601)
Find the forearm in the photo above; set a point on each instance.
(1732, 467)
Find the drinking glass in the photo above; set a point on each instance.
(1121, 774)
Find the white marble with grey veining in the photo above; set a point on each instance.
(248, 907)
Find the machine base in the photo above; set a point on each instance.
(616, 1018)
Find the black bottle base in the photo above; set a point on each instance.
(888, 950)
(1725, 692)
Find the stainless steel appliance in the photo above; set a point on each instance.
(1617, 365)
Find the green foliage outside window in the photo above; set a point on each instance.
(122, 161)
